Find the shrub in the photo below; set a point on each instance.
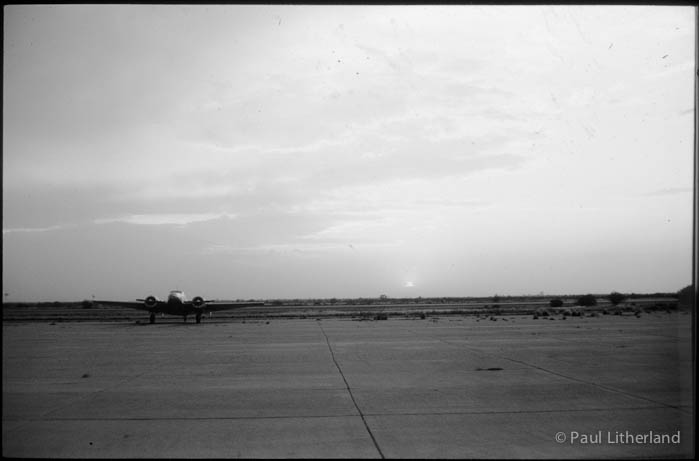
(686, 296)
(587, 300)
(556, 303)
(615, 297)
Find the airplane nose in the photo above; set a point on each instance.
(176, 297)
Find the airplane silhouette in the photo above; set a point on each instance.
(177, 304)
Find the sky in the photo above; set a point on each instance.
(288, 151)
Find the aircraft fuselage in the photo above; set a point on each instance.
(176, 304)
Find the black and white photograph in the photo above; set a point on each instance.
(349, 231)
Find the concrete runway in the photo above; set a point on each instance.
(458, 387)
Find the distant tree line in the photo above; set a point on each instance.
(685, 296)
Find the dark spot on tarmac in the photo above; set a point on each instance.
(489, 369)
(85, 375)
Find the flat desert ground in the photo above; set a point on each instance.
(449, 387)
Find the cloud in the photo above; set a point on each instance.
(159, 219)
(668, 191)
(34, 229)
(299, 248)
(685, 68)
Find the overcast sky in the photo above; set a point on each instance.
(346, 151)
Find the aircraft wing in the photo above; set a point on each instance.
(212, 306)
(131, 304)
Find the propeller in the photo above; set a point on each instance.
(151, 301)
(198, 301)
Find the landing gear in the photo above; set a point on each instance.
(198, 317)
(152, 318)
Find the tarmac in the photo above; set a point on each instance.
(450, 387)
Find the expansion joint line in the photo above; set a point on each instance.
(571, 378)
(349, 390)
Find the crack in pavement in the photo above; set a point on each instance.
(572, 378)
(337, 365)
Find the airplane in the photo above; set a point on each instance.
(177, 304)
